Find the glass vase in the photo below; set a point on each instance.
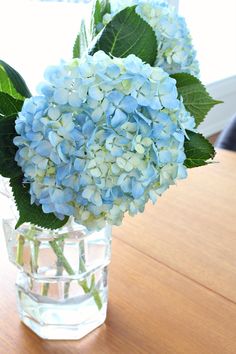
(61, 285)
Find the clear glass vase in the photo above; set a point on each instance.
(62, 281)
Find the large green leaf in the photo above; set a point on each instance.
(11, 82)
(195, 96)
(9, 106)
(31, 212)
(8, 165)
(81, 42)
(128, 33)
(198, 150)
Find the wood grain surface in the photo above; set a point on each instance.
(172, 277)
(192, 229)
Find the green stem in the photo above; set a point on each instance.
(97, 298)
(20, 251)
(61, 258)
(95, 293)
(60, 270)
(36, 255)
(59, 262)
(45, 289)
(82, 269)
(66, 289)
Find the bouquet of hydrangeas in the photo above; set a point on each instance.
(111, 129)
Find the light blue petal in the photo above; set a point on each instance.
(54, 113)
(48, 208)
(95, 93)
(182, 172)
(54, 138)
(62, 172)
(44, 148)
(137, 189)
(64, 209)
(179, 136)
(165, 156)
(74, 100)
(61, 96)
(79, 165)
(113, 71)
(115, 97)
(88, 128)
(129, 104)
(118, 118)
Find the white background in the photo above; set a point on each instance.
(35, 34)
(213, 28)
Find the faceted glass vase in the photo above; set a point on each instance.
(61, 287)
(62, 281)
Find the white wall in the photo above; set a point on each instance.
(217, 119)
(44, 33)
(37, 34)
(213, 28)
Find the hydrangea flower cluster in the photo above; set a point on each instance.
(175, 49)
(104, 136)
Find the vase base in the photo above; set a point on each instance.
(52, 332)
(65, 318)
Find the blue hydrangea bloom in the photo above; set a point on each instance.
(104, 136)
(175, 49)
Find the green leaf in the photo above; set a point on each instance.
(31, 212)
(195, 96)
(6, 86)
(128, 33)
(198, 150)
(12, 82)
(8, 165)
(81, 42)
(100, 8)
(76, 48)
(83, 38)
(9, 106)
(97, 13)
(106, 7)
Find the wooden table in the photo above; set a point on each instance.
(172, 277)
